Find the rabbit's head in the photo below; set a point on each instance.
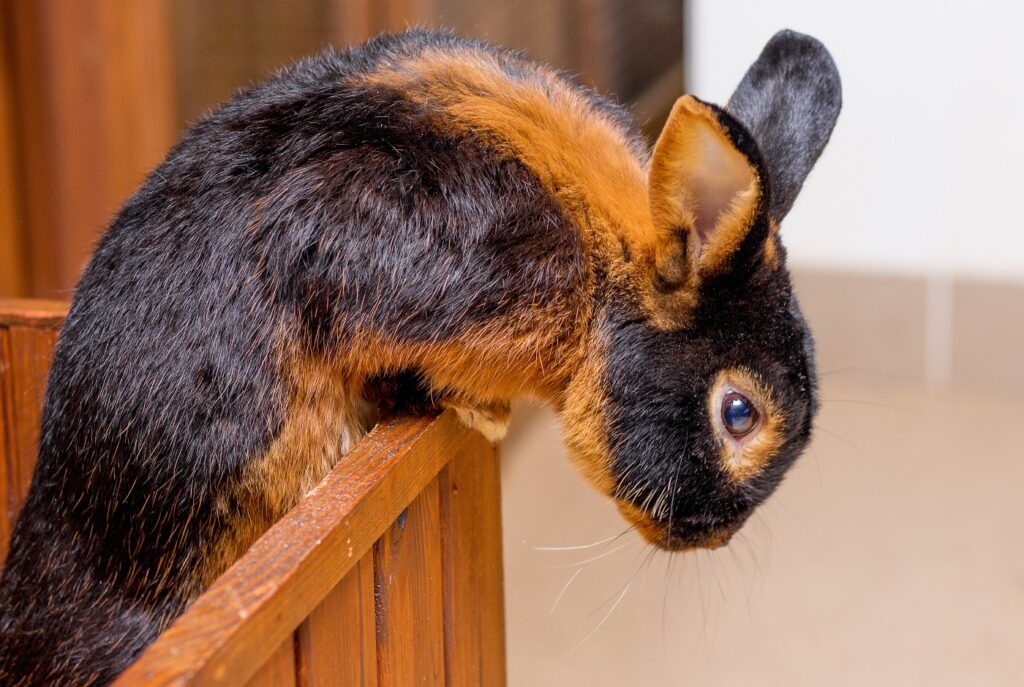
(699, 389)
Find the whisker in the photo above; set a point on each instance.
(564, 590)
(864, 402)
(605, 618)
(591, 559)
(842, 439)
(872, 373)
(579, 547)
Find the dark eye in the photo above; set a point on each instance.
(738, 414)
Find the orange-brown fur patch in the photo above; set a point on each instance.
(584, 420)
(325, 417)
(743, 459)
(701, 184)
(772, 256)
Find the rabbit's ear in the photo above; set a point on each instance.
(705, 191)
(789, 101)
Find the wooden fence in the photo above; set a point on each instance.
(388, 573)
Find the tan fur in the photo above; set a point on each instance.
(584, 420)
(772, 254)
(324, 420)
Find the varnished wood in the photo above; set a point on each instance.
(337, 643)
(28, 334)
(93, 105)
(474, 595)
(409, 587)
(279, 670)
(32, 312)
(13, 256)
(261, 599)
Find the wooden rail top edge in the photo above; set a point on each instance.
(226, 634)
(32, 312)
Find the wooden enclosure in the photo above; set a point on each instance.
(388, 573)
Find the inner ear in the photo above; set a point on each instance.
(717, 175)
(704, 191)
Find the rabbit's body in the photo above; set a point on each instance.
(422, 207)
(212, 367)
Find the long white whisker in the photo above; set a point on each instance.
(579, 547)
(605, 618)
(564, 590)
(592, 558)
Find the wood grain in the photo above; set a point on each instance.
(261, 599)
(474, 594)
(28, 334)
(93, 104)
(32, 312)
(337, 643)
(409, 589)
(279, 670)
(13, 278)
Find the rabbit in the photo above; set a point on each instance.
(420, 217)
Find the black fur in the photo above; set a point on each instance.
(658, 382)
(789, 99)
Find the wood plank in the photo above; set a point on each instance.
(6, 442)
(13, 279)
(409, 587)
(337, 643)
(474, 593)
(93, 99)
(279, 670)
(261, 599)
(32, 312)
(25, 354)
(31, 352)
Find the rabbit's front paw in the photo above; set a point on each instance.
(491, 421)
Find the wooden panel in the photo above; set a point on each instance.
(28, 333)
(338, 642)
(279, 670)
(94, 111)
(474, 594)
(34, 312)
(409, 588)
(13, 278)
(261, 599)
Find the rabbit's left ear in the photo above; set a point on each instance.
(789, 101)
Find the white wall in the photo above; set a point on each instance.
(925, 171)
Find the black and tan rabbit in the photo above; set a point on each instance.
(424, 212)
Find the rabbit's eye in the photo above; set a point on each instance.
(738, 414)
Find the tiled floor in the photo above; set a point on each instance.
(893, 555)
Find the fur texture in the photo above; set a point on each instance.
(422, 219)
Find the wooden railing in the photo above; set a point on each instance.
(388, 573)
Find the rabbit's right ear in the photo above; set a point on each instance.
(789, 101)
(705, 191)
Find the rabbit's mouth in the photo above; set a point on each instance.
(681, 534)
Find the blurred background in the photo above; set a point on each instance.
(894, 553)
